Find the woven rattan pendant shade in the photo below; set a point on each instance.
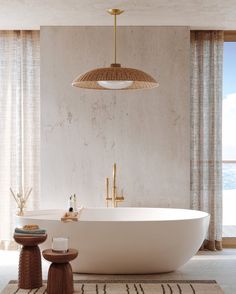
(89, 80)
(131, 78)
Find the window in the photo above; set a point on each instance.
(229, 136)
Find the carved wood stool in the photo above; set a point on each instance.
(60, 276)
(30, 268)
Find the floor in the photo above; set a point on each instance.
(219, 266)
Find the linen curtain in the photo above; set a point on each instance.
(206, 132)
(19, 124)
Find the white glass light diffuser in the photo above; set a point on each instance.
(115, 85)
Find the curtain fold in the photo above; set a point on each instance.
(20, 123)
(206, 129)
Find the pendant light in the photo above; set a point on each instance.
(115, 77)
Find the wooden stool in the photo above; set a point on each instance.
(60, 276)
(30, 269)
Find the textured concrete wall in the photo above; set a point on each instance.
(145, 132)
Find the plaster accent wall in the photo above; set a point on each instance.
(146, 132)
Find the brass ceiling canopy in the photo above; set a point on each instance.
(115, 77)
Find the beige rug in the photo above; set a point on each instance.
(130, 287)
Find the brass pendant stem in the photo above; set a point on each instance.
(115, 38)
(115, 12)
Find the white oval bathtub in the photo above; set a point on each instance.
(126, 240)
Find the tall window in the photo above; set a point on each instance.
(229, 140)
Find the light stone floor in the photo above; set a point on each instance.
(219, 266)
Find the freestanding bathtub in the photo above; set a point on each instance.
(126, 240)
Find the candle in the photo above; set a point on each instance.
(60, 244)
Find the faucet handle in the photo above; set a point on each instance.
(120, 198)
(107, 197)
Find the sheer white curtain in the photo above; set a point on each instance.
(19, 123)
(206, 126)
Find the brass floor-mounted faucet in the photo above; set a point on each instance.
(114, 198)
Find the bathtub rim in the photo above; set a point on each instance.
(31, 213)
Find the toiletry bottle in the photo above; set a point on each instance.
(75, 203)
(71, 203)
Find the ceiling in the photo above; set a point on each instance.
(204, 14)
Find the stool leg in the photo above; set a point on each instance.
(60, 279)
(30, 270)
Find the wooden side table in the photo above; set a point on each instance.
(60, 276)
(30, 268)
